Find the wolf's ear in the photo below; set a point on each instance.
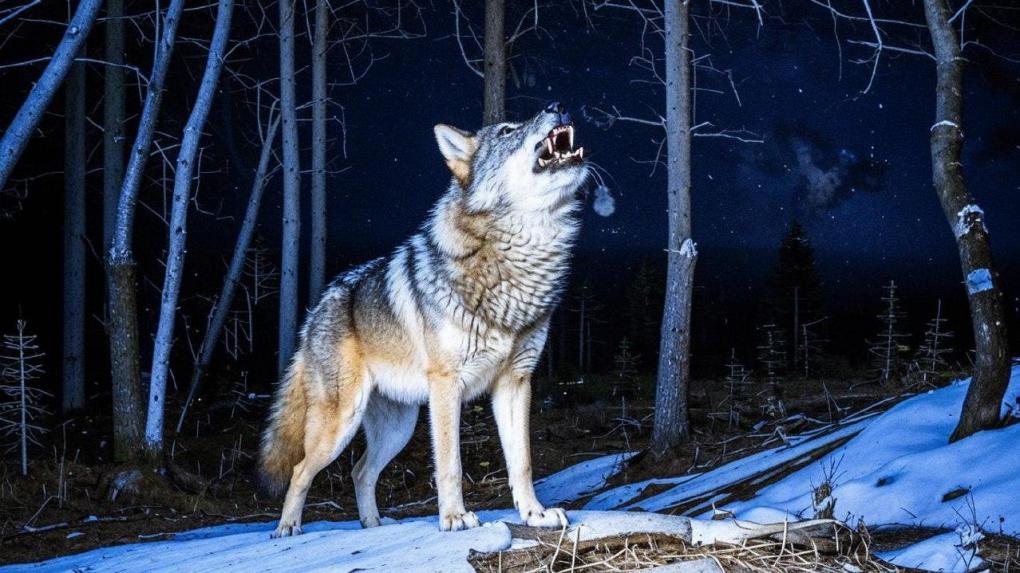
(457, 147)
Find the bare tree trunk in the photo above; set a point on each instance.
(73, 396)
(113, 118)
(179, 230)
(317, 262)
(671, 416)
(495, 62)
(289, 263)
(221, 310)
(17, 134)
(121, 281)
(981, 408)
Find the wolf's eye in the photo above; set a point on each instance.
(506, 130)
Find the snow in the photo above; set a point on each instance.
(901, 467)
(579, 480)
(939, 553)
(966, 218)
(946, 123)
(703, 484)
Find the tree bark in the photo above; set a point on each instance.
(317, 262)
(671, 417)
(289, 262)
(18, 133)
(113, 118)
(983, 404)
(221, 310)
(179, 230)
(121, 280)
(73, 396)
(495, 63)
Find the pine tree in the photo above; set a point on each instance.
(931, 356)
(625, 371)
(772, 358)
(796, 291)
(738, 378)
(886, 348)
(811, 346)
(644, 301)
(21, 401)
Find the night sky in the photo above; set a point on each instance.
(853, 167)
(874, 205)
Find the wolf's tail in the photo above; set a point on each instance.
(283, 440)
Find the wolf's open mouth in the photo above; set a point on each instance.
(557, 148)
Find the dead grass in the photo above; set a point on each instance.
(848, 551)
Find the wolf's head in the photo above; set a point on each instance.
(528, 166)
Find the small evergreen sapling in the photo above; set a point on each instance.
(738, 378)
(772, 357)
(886, 348)
(931, 356)
(21, 401)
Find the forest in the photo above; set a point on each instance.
(748, 267)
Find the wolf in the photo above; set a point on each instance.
(460, 309)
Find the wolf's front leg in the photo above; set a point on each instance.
(511, 400)
(444, 418)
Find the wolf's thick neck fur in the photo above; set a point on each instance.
(502, 267)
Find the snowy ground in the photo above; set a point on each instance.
(900, 469)
(894, 469)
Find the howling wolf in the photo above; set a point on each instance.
(460, 309)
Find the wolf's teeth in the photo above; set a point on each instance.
(542, 162)
(570, 131)
(549, 144)
(580, 152)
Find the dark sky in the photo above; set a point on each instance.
(853, 167)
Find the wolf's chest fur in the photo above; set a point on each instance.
(472, 293)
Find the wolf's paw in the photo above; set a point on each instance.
(455, 521)
(552, 517)
(286, 530)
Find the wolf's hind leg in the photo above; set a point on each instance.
(330, 424)
(388, 426)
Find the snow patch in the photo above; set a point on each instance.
(945, 553)
(579, 480)
(945, 123)
(967, 218)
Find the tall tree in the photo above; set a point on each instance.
(317, 260)
(495, 63)
(672, 424)
(113, 117)
(17, 134)
(73, 395)
(179, 229)
(221, 309)
(289, 262)
(125, 372)
(796, 292)
(983, 404)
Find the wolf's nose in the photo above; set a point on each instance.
(557, 108)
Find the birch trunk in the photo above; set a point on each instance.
(671, 417)
(179, 230)
(73, 395)
(19, 131)
(113, 118)
(289, 262)
(221, 310)
(981, 408)
(317, 262)
(121, 281)
(495, 63)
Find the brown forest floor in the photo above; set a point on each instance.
(62, 506)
